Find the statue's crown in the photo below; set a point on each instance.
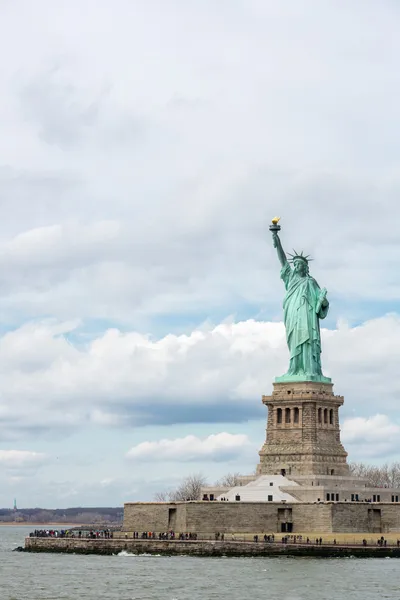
(300, 256)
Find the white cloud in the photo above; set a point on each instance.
(104, 419)
(372, 429)
(215, 374)
(21, 459)
(372, 437)
(127, 205)
(106, 482)
(221, 446)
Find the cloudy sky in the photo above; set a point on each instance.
(144, 147)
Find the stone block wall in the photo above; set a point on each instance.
(231, 517)
(202, 548)
(365, 517)
(260, 517)
(312, 517)
(352, 518)
(227, 517)
(154, 516)
(390, 517)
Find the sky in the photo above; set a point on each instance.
(145, 146)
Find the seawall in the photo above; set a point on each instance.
(202, 548)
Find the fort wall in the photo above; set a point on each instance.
(262, 517)
(201, 548)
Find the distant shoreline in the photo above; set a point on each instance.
(55, 524)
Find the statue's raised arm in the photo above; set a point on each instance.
(278, 245)
(303, 306)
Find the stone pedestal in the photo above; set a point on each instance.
(303, 434)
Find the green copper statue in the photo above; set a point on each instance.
(304, 305)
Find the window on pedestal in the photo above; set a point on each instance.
(287, 415)
(320, 415)
(279, 415)
(331, 417)
(325, 415)
(296, 415)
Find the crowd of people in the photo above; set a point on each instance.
(382, 542)
(73, 533)
(49, 533)
(165, 535)
(171, 535)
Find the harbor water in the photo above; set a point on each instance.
(26, 576)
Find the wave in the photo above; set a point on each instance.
(125, 553)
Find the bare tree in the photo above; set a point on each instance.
(387, 475)
(378, 475)
(228, 480)
(161, 497)
(188, 489)
(394, 475)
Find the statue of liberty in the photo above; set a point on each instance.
(305, 303)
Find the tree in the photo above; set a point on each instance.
(44, 516)
(378, 476)
(394, 474)
(188, 489)
(228, 480)
(161, 496)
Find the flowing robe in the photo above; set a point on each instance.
(303, 336)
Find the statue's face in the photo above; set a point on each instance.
(300, 267)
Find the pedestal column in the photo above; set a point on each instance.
(303, 434)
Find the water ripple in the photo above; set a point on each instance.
(130, 577)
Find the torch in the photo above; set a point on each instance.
(275, 228)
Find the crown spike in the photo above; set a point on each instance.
(301, 255)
